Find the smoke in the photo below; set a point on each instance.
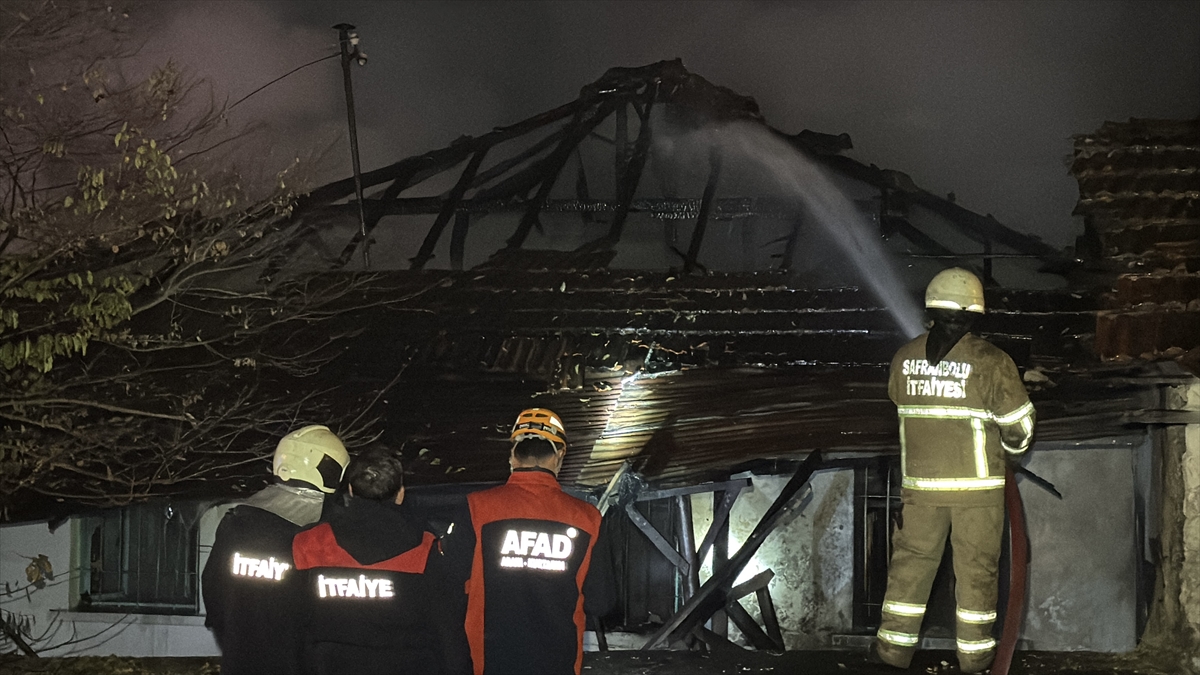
(977, 98)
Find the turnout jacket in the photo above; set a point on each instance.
(251, 594)
(525, 596)
(377, 596)
(958, 421)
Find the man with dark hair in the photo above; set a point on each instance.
(532, 575)
(251, 593)
(379, 598)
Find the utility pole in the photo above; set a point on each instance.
(348, 39)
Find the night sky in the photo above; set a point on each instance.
(978, 98)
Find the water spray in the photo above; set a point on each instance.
(830, 207)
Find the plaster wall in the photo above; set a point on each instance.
(1083, 548)
(59, 631)
(813, 585)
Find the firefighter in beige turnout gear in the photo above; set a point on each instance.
(963, 412)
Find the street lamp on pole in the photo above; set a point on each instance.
(348, 40)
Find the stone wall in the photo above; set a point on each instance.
(1189, 594)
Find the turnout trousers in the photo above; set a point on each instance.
(975, 537)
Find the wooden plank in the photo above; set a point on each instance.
(753, 632)
(770, 618)
(552, 167)
(720, 521)
(420, 167)
(630, 178)
(503, 167)
(660, 542)
(448, 208)
(712, 595)
(650, 495)
(752, 585)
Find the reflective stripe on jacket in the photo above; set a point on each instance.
(958, 419)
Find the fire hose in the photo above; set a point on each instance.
(1018, 568)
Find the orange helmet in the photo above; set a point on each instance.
(539, 422)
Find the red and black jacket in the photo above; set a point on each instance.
(525, 598)
(375, 595)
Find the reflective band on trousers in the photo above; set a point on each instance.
(968, 616)
(953, 483)
(972, 646)
(902, 639)
(903, 609)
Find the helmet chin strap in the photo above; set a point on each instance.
(949, 326)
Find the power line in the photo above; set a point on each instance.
(323, 58)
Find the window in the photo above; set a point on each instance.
(140, 558)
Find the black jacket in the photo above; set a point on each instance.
(252, 594)
(378, 594)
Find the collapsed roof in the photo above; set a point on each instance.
(688, 374)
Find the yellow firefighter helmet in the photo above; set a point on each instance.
(314, 455)
(539, 422)
(955, 288)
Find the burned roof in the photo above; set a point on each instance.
(688, 373)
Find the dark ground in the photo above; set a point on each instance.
(659, 663)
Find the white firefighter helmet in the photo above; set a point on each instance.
(955, 288)
(314, 455)
(540, 423)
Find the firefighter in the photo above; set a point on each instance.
(534, 577)
(378, 597)
(249, 585)
(963, 413)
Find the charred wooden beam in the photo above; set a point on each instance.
(766, 607)
(714, 593)
(532, 151)
(660, 542)
(432, 163)
(633, 172)
(448, 208)
(753, 632)
(375, 212)
(553, 165)
(649, 495)
(720, 522)
(620, 149)
(710, 189)
(923, 241)
(664, 208)
(757, 637)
